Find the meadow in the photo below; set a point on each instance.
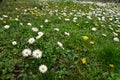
(62, 40)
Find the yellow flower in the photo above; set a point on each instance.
(4, 22)
(17, 16)
(85, 37)
(111, 65)
(96, 25)
(83, 60)
(91, 42)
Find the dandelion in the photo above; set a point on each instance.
(96, 25)
(116, 39)
(6, 26)
(31, 40)
(111, 65)
(92, 43)
(60, 44)
(83, 60)
(37, 53)
(34, 29)
(26, 52)
(42, 68)
(94, 29)
(14, 43)
(85, 37)
(4, 22)
(67, 34)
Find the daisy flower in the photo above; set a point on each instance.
(94, 29)
(42, 68)
(14, 43)
(34, 29)
(6, 26)
(116, 39)
(26, 52)
(37, 53)
(46, 21)
(56, 29)
(60, 44)
(29, 24)
(67, 34)
(31, 40)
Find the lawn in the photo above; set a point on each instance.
(61, 40)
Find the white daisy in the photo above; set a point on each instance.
(41, 26)
(67, 34)
(29, 24)
(26, 52)
(46, 20)
(31, 40)
(116, 39)
(94, 29)
(14, 43)
(37, 53)
(60, 44)
(56, 29)
(40, 34)
(6, 26)
(42, 68)
(34, 29)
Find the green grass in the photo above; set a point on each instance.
(62, 64)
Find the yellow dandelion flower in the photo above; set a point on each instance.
(111, 65)
(85, 37)
(96, 25)
(83, 60)
(4, 22)
(92, 43)
(17, 16)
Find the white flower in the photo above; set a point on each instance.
(56, 29)
(16, 19)
(67, 19)
(67, 34)
(41, 26)
(1, 18)
(116, 39)
(31, 40)
(46, 20)
(34, 29)
(5, 16)
(104, 35)
(26, 52)
(37, 53)
(21, 24)
(29, 24)
(94, 29)
(14, 43)
(6, 26)
(115, 34)
(60, 44)
(40, 34)
(42, 68)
